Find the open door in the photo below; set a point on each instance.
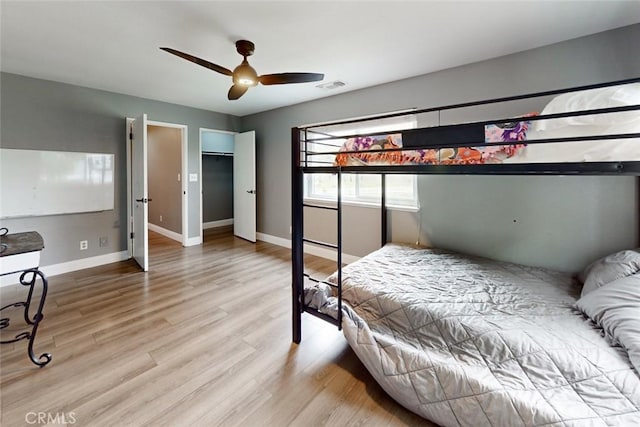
(244, 186)
(140, 192)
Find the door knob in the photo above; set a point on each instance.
(143, 200)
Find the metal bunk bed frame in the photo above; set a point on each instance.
(302, 164)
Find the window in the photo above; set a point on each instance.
(361, 188)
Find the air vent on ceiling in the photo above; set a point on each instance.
(331, 85)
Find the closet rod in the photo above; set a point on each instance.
(216, 153)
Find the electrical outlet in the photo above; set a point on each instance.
(84, 245)
(160, 218)
(104, 242)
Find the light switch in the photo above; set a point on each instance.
(193, 177)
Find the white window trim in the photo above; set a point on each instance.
(368, 205)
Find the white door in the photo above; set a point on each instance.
(244, 186)
(140, 192)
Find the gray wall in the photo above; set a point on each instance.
(217, 188)
(44, 115)
(556, 222)
(602, 210)
(165, 177)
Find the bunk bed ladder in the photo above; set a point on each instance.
(337, 247)
(298, 241)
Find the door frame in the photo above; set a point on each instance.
(184, 179)
(202, 130)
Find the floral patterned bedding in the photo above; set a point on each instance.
(356, 151)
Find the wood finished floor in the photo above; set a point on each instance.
(202, 339)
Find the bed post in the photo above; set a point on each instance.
(297, 254)
(339, 254)
(383, 210)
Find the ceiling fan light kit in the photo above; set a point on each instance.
(244, 75)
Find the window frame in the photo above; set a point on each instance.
(395, 125)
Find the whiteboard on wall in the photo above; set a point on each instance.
(38, 183)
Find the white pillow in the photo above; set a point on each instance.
(612, 267)
(606, 97)
(615, 307)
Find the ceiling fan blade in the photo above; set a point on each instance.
(202, 62)
(285, 78)
(236, 92)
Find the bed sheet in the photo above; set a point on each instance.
(465, 341)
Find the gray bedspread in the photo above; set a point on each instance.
(472, 342)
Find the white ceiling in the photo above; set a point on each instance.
(114, 45)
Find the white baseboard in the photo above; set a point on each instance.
(67, 267)
(167, 233)
(193, 241)
(308, 248)
(274, 240)
(215, 224)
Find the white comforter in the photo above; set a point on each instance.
(467, 341)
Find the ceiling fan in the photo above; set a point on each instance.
(244, 75)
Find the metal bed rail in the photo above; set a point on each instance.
(479, 103)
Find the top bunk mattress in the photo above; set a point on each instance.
(514, 141)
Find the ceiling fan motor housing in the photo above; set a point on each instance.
(245, 47)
